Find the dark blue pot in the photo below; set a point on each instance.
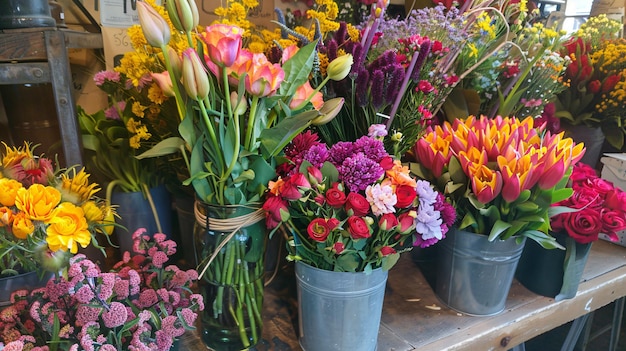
(135, 212)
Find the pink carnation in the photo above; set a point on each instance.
(115, 316)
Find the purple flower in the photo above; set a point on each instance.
(102, 76)
(378, 87)
(377, 131)
(358, 171)
(374, 149)
(340, 151)
(317, 155)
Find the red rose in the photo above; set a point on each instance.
(407, 221)
(613, 221)
(584, 225)
(616, 200)
(387, 250)
(358, 204)
(581, 172)
(292, 186)
(335, 197)
(405, 195)
(275, 211)
(585, 197)
(338, 247)
(318, 230)
(388, 221)
(358, 228)
(601, 186)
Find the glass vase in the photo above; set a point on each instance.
(230, 246)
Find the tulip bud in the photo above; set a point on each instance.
(339, 68)
(314, 175)
(240, 106)
(155, 28)
(164, 82)
(175, 61)
(195, 78)
(328, 111)
(183, 13)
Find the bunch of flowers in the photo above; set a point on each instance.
(598, 207)
(351, 206)
(518, 69)
(502, 175)
(237, 109)
(142, 304)
(139, 115)
(46, 213)
(595, 77)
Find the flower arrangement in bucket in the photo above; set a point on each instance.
(349, 210)
(46, 213)
(596, 207)
(237, 111)
(141, 304)
(502, 175)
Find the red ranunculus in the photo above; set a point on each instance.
(332, 223)
(358, 228)
(405, 195)
(358, 204)
(387, 250)
(388, 221)
(584, 225)
(275, 211)
(318, 229)
(386, 163)
(335, 197)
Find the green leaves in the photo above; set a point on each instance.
(297, 69)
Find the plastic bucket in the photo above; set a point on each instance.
(339, 310)
(474, 275)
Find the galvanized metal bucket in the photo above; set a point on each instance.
(339, 311)
(474, 275)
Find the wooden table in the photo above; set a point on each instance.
(409, 324)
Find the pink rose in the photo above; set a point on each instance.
(616, 200)
(358, 204)
(358, 228)
(613, 221)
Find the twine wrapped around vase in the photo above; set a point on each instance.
(228, 225)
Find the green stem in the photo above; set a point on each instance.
(251, 120)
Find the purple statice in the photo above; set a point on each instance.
(373, 148)
(340, 151)
(358, 171)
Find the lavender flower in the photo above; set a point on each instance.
(358, 171)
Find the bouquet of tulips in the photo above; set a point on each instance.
(502, 175)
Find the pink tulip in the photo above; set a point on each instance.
(486, 183)
(263, 78)
(194, 76)
(302, 94)
(164, 82)
(223, 43)
(154, 27)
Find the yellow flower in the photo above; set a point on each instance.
(38, 201)
(68, 228)
(8, 191)
(22, 226)
(76, 188)
(6, 216)
(15, 155)
(137, 109)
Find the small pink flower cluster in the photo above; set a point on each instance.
(142, 304)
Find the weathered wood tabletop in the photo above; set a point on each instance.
(414, 319)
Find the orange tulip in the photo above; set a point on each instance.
(262, 77)
(223, 43)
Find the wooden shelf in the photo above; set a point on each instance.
(39, 55)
